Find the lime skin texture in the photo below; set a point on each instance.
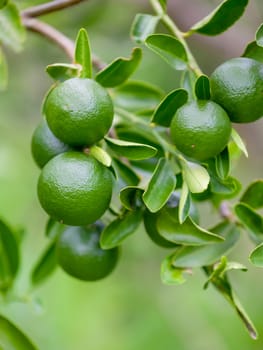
(45, 145)
(79, 111)
(80, 255)
(75, 188)
(200, 129)
(237, 85)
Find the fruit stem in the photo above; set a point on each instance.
(169, 23)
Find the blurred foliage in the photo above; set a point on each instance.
(131, 310)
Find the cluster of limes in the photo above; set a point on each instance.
(74, 188)
(201, 129)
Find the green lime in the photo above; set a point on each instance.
(79, 111)
(200, 129)
(45, 145)
(237, 85)
(74, 188)
(80, 255)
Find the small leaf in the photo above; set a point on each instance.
(101, 155)
(12, 32)
(256, 256)
(188, 82)
(202, 88)
(167, 108)
(12, 338)
(9, 257)
(259, 36)
(62, 71)
(228, 188)
(83, 53)
(251, 220)
(195, 176)
(171, 275)
(131, 197)
(239, 142)
(53, 229)
(130, 150)
(45, 266)
(169, 49)
(187, 233)
(253, 195)
(118, 230)
(254, 51)
(184, 204)
(126, 173)
(192, 257)
(222, 162)
(142, 26)
(136, 96)
(117, 72)
(3, 71)
(223, 17)
(160, 187)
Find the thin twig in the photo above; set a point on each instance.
(50, 33)
(49, 7)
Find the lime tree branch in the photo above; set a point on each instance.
(49, 7)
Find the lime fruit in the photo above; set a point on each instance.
(79, 111)
(200, 129)
(80, 255)
(45, 145)
(237, 85)
(75, 188)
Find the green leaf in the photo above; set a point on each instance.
(228, 188)
(165, 111)
(160, 187)
(45, 266)
(130, 150)
(9, 257)
(136, 96)
(169, 49)
(254, 51)
(184, 204)
(169, 274)
(12, 32)
(220, 281)
(195, 176)
(202, 88)
(187, 233)
(62, 71)
(142, 26)
(223, 17)
(53, 229)
(251, 220)
(12, 338)
(256, 256)
(239, 142)
(118, 230)
(253, 195)
(259, 36)
(192, 257)
(222, 163)
(117, 72)
(3, 3)
(131, 197)
(126, 173)
(83, 53)
(3, 71)
(101, 155)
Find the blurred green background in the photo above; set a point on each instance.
(130, 310)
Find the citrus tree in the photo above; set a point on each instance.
(115, 153)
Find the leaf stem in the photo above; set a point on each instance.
(168, 22)
(49, 7)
